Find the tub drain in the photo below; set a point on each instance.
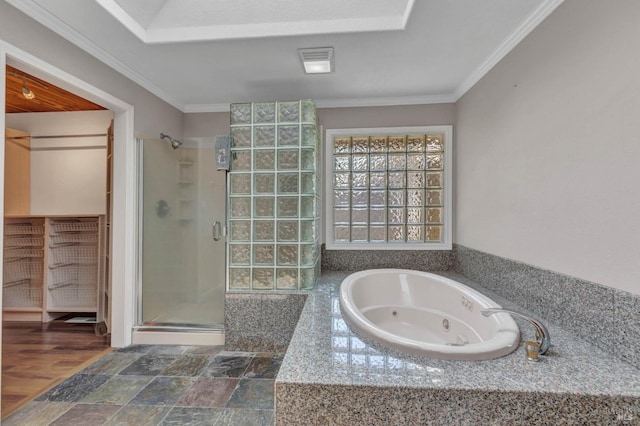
(445, 324)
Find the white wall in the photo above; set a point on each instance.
(68, 175)
(547, 148)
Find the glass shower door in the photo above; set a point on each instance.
(182, 266)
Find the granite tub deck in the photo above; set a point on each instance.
(330, 376)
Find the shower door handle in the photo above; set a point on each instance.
(216, 230)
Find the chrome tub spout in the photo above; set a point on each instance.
(543, 338)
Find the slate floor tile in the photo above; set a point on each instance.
(191, 416)
(118, 390)
(138, 349)
(74, 388)
(240, 417)
(86, 414)
(263, 368)
(163, 391)
(149, 365)
(167, 349)
(37, 413)
(203, 350)
(226, 366)
(208, 392)
(237, 353)
(186, 365)
(111, 363)
(161, 385)
(254, 394)
(145, 415)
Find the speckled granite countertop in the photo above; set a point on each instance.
(323, 351)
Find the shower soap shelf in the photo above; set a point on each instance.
(186, 172)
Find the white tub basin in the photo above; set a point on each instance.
(424, 314)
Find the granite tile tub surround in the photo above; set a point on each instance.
(410, 406)
(606, 317)
(331, 376)
(257, 322)
(356, 260)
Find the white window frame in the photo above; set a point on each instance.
(446, 243)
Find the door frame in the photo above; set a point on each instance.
(123, 221)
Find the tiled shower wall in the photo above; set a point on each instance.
(274, 196)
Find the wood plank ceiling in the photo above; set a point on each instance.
(48, 98)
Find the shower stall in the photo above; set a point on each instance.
(186, 266)
(181, 254)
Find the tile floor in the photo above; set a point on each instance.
(161, 385)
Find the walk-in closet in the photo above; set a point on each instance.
(56, 228)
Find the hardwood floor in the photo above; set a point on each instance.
(37, 356)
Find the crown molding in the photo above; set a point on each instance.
(194, 108)
(46, 18)
(508, 44)
(344, 103)
(385, 101)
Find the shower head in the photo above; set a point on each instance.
(175, 143)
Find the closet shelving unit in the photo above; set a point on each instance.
(72, 266)
(23, 267)
(52, 266)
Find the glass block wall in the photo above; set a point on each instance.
(388, 189)
(274, 190)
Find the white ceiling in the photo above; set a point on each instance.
(170, 21)
(202, 55)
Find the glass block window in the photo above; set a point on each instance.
(389, 188)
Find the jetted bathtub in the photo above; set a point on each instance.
(424, 314)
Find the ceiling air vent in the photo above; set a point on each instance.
(317, 60)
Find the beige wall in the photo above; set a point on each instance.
(548, 149)
(68, 175)
(389, 116)
(206, 124)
